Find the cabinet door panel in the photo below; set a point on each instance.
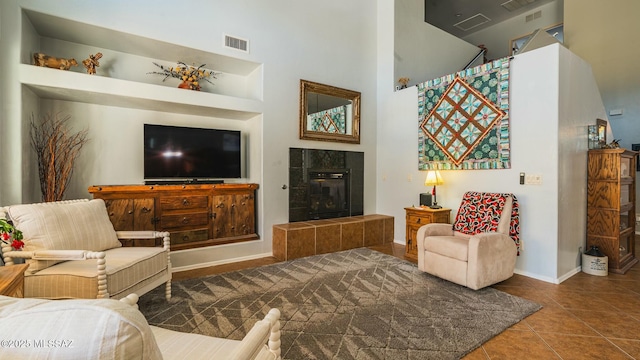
(143, 214)
(223, 225)
(120, 213)
(245, 216)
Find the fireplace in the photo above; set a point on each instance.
(325, 184)
(328, 194)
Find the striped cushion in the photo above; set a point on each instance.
(64, 225)
(128, 269)
(80, 329)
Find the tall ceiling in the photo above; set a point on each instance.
(464, 17)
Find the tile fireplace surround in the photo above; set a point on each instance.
(303, 162)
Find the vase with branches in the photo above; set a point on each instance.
(57, 148)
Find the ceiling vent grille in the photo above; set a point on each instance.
(236, 43)
(470, 23)
(513, 5)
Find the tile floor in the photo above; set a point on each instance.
(585, 317)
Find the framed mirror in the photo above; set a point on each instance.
(328, 113)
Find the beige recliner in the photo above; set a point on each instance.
(480, 248)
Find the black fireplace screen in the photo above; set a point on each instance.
(328, 194)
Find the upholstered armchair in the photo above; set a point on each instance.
(73, 251)
(481, 246)
(112, 329)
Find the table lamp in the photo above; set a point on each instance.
(433, 179)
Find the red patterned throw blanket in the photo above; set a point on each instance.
(480, 212)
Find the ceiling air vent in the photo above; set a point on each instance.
(535, 15)
(469, 23)
(512, 5)
(237, 43)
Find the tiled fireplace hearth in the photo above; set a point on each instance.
(306, 238)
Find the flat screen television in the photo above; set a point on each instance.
(187, 153)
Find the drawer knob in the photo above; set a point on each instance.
(185, 202)
(185, 220)
(185, 238)
(418, 221)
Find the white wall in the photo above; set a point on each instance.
(332, 42)
(497, 38)
(422, 51)
(580, 104)
(605, 34)
(542, 143)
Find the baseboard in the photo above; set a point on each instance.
(570, 274)
(536, 276)
(219, 262)
(549, 279)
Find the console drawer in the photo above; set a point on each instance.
(419, 220)
(189, 236)
(184, 220)
(184, 202)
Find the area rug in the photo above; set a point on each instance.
(355, 304)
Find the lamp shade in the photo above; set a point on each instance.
(433, 178)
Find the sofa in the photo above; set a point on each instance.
(116, 329)
(73, 251)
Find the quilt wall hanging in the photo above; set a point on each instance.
(464, 119)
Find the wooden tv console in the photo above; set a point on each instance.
(195, 215)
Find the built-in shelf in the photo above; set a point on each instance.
(239, 98)
(71, 86)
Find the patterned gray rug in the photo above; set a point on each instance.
(355, 304)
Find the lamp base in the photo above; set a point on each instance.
(435, 206)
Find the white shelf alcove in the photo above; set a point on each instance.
(122, 79)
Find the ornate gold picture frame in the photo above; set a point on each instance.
(329, 113)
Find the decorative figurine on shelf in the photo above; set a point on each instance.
(615, 144)
(190, 75)
(40, 59)
(92, 63)
(403, 82)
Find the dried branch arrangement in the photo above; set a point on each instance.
(57, 149)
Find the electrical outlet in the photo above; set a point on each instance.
(533, 179)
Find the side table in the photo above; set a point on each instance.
(416, 217)
(12, 280)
